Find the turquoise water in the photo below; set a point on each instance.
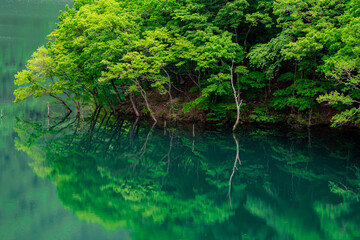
(103, 177)
(166, 184)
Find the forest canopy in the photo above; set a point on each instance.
(279, 60)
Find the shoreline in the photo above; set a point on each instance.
(320, 117)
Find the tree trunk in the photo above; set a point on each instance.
(238, 102)
(133, 105)
(143, 94)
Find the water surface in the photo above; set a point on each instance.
(166, 184)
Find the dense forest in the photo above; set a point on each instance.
(268, 61)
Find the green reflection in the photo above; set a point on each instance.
(165, 184)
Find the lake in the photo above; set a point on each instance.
(103, 177)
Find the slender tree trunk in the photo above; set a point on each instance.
(144, 95)
(197, 80)
(238, 102)
(131, 96)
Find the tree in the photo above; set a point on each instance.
(39, 78)
(211, 55)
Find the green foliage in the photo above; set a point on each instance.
(260, 115)
(300, 95)
(267, 56)
(36, 77)
(280, 53)
(326, 42)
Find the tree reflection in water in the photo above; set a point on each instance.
(237, 160)
(129, 175)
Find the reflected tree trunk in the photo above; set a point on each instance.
(193, 143)
(130, 136)
(115, 125)
(75, 132)
(107, 121)
(99, 142)
(236, 162)
(168, 154)
(61, 121)
(96, 142)
(58, 131)
(170, 149)
(94, 120)
(102, 122)
(143, 148)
